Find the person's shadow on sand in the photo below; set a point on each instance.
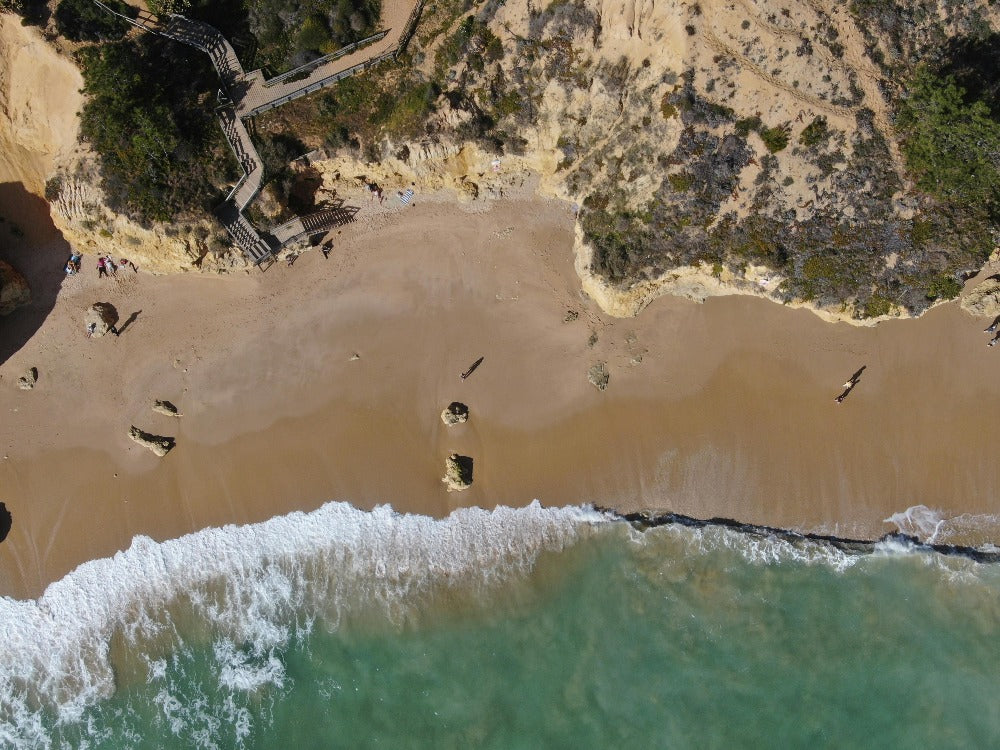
(33, 245)
(128, 321)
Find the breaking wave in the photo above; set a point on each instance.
(245, 592)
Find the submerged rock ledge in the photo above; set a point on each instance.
(646, 520)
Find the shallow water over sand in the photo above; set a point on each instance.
(513, 628)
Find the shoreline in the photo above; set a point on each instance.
(717, 409)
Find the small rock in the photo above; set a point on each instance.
(456, 413)
(166, 408)
(27, 381)
(159, 444)
(457, 472)
(598, 376)
(571, 315)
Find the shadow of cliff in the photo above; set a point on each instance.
(32, 244)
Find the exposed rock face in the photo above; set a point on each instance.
(102, 316)
(27, 381)
(159, 444)
(14, 289)
(166, 408)
(457, 472)
(984, 299)
(598, 376)
(456, 413)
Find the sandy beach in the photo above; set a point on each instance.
(717, 409)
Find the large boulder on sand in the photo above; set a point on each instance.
(103, 316)
(14, 289)
(159, 444)
(166, 408)
(456, 413)
(984, 299)
(457, 472)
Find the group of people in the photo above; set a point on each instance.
(106, 265)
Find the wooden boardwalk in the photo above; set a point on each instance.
(249, 94)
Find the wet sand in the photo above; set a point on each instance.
(730, 411)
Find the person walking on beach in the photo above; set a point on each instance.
(91, 329)
(102, 267)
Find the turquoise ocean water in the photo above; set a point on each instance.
(507, 629)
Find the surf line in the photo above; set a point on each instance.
(642, 521)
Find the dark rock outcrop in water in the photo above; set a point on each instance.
(644, 520)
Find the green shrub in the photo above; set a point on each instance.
(161, 148)
(951, 146)
(85, 21)
(877, 306)
(944, 286)
(681, 182)
(815, 132)
(776, 138)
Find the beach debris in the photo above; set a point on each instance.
(101, 319)
(592, 340)
(599, 376)
(455, 413)
(472, 368)
(354, 357)
(27, 381)
(166, 408)
(457, 472)
(571, 315)
(159, 444)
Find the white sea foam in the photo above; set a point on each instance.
(251, 584)
(936, 527)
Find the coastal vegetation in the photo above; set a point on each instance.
(872, 206)
(162, 153)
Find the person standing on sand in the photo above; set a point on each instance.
(102, 267)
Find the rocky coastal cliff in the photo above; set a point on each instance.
(710, 148)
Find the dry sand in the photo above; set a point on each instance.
(729, 413)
